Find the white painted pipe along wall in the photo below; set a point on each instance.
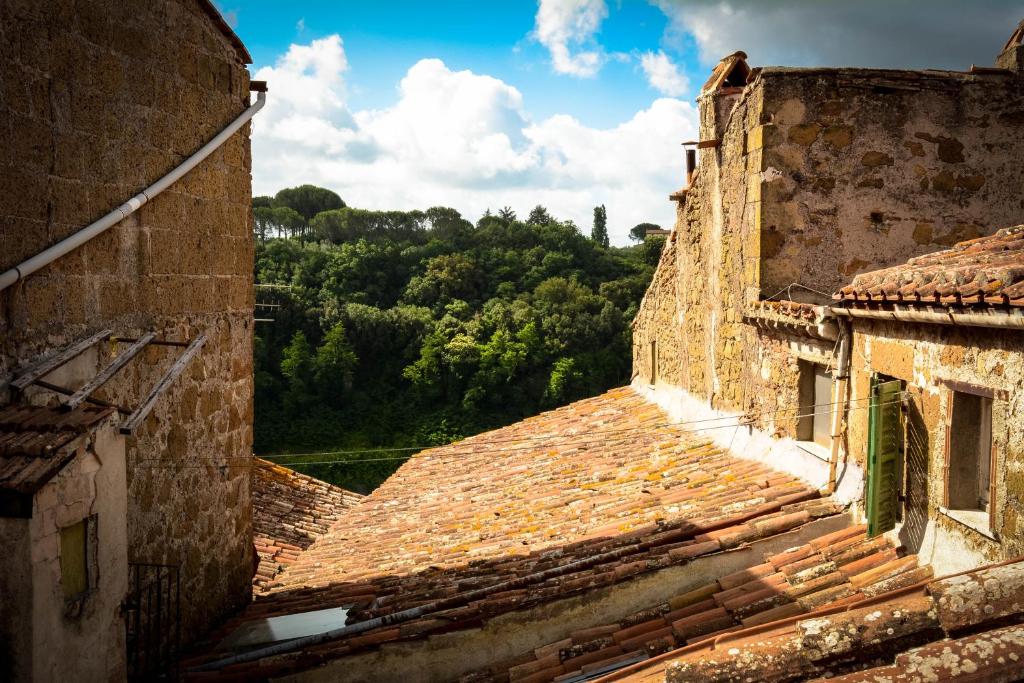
(77, 239)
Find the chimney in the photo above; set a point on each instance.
(1012, 56)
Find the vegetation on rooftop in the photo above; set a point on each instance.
(398, 329)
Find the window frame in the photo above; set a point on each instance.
(90, 563)
(994, 396)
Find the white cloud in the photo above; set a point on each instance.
(868, 33)
(662, 74)
(461, 139)
(563, 26)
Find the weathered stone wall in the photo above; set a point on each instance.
(820, 174)
(657, 323)
(864, 169)
(99, 100)
(922, 356)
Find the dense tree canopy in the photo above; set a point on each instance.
(400, 329)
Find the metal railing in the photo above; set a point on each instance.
(153, 621)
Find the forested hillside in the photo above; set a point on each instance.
(401, 329)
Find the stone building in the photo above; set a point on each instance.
(802, 179)
(100, 100)
(64, 571)
(946, 331)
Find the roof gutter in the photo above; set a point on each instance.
(911, 314)
(77, 239)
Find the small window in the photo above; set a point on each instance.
(815, 417)
(969, 459)
(74, 567)
(78, 560)
(654, 362)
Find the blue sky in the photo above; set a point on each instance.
(382, 40)
(565, 103)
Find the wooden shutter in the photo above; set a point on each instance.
(947, 450)
(992, 489)
(885, 445)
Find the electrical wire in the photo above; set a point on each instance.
(546, 437)
(585, 442)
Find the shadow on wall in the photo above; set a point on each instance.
(915, 486)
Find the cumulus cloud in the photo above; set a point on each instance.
(464, 140)
(662, 74)
(563, 26)
(871, 33)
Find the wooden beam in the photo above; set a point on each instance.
(48, 365)
(132, 422)
(93, 400)
(155, 342)
(104, 376)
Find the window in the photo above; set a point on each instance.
(78, 560)
(815, 421)
(969, 455)
(654, 362)
(74, 572)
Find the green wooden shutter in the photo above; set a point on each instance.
(885, 448)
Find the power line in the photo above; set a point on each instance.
(585, 442)
(547, 437)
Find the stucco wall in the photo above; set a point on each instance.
(16, 605)
(99, 100)
(89, 644)
(924, 355)
(864, 168)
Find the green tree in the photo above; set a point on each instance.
(297, 368)
(539, 216)
(599, 233)
(334, 365)
(308, 200)
(639, 232)
(505, 213)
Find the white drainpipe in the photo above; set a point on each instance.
(79, 238)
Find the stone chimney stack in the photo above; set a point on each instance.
(1012, 56)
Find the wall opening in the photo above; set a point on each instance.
(654, 362)
(969, 458)
(815, 416)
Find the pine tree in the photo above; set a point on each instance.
(599, 233)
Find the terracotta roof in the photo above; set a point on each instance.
(36, 442)
(946, 629)
(289, 511)
(575, 499)
(983, 271)
(836, 568)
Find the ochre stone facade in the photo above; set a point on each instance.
(100, 99)
(818, 174)
(926, 358)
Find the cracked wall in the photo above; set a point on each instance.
(923, 356)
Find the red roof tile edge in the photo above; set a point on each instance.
(987, 271)
(956, 604)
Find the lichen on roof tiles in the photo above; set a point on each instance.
(290, 511)
(578, 498)
(984, 271)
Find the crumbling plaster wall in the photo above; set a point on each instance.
(864, 169)
(99, 100)
(922, 355)
(86, 643)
